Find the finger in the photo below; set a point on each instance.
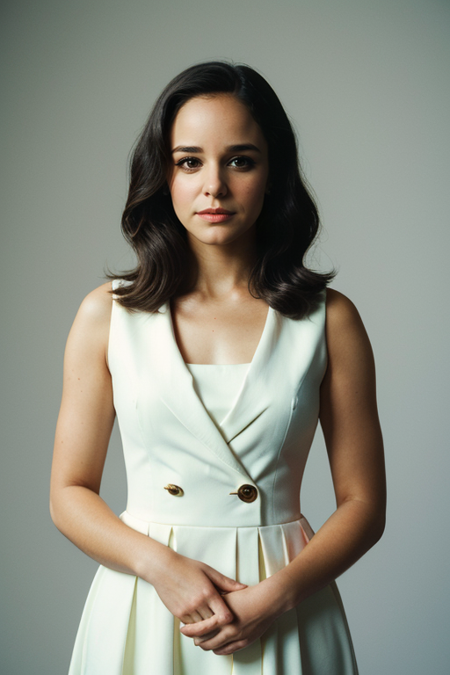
(200, 628)
(221, 610)
(193, 618)
(231, 647)
(220, 640)
(222, 582)
(205, 612)
(221, 616)
(208, 636)
(196, 617)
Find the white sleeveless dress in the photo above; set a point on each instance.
(214, 458)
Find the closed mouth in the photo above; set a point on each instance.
(216, 212)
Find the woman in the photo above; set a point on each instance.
(216, 356)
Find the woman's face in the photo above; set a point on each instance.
(220, 170)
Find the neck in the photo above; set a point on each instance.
(220, 270)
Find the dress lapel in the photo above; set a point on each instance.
(256, 392)
(176, 390)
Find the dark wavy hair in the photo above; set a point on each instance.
(286, 227)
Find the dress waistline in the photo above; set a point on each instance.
(146, 526)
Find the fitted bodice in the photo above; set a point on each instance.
(169, 438)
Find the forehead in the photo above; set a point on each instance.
(215, 118)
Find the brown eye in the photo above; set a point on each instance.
(242, 162)
(189, 163)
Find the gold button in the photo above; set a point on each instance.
(247, 493)
(174, 490)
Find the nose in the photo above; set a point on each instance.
(215, 184)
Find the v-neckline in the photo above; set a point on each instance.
(176, 389)
(168, 309)
(230, 423)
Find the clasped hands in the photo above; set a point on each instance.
(195, 593)
(249, 620)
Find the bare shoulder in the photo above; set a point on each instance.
(91, 326)
(345, 330)
(96, 306)
(340, 309)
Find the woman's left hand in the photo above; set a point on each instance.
(253, 613)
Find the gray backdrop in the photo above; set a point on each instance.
(367, 85)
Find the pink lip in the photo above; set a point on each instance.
(215, 215)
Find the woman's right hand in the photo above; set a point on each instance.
(192, 591)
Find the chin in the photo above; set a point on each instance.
(215, 237)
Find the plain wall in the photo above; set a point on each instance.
(367, 86)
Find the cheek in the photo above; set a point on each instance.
(181, 193)
(255, 194)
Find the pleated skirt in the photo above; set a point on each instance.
(125, 629)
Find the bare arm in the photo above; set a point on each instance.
(82, 434)
(352, 433)
(84, 427)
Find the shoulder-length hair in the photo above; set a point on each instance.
(286, 227)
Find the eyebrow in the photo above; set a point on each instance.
(231, 148)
